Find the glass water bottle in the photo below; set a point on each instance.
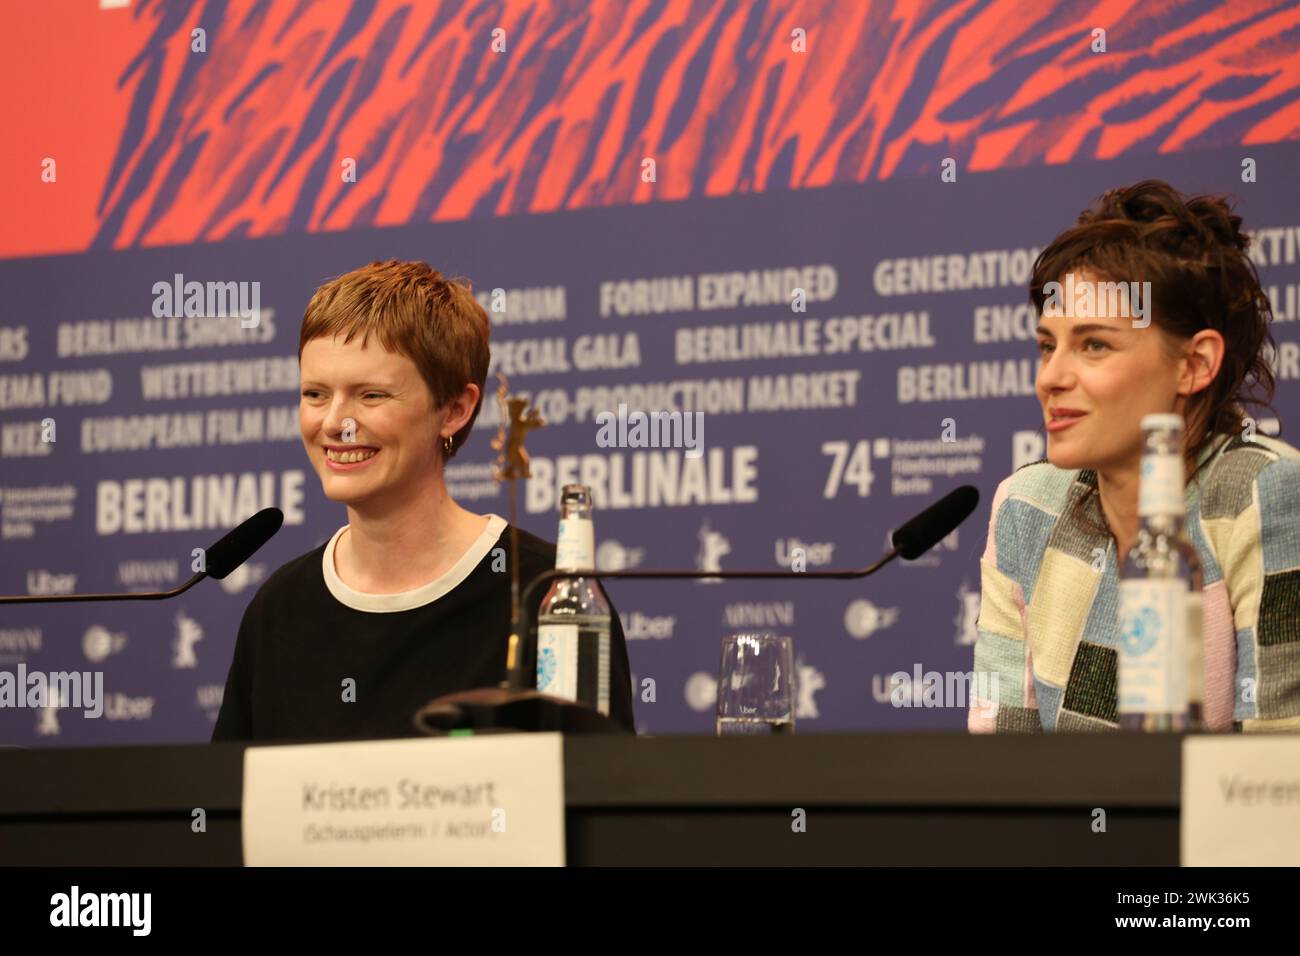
(573, 621)
(1161, 654)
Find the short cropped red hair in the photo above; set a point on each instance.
(413, 310)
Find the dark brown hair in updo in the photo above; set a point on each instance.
(1193, 252)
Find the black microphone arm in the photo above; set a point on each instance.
(236, 547)
(910, 541)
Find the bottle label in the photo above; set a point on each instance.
(557, 660)
(576, 549)
(1161, 490)
(1195, 648)
(1153, 646)
(602, 674)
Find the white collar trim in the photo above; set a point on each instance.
(417, 597)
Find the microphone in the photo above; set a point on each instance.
(935, 523)
(243, 542)
(220, 560)
(909, 542)
(516, 704)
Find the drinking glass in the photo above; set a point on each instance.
(756, 684)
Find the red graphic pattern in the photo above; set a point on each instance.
(155, 144)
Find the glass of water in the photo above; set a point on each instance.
(756, 684)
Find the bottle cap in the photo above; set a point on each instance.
(1161, 420)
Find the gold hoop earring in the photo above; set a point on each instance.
(448, 445)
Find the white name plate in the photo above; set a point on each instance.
(1241, 801)
(493, 800)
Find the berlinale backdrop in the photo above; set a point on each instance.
(811, 222)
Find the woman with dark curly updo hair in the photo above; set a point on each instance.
(1048, 625)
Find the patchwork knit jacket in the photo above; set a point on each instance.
(1048, 624)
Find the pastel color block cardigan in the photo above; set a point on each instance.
(1048, 624)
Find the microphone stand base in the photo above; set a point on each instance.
(494, 710)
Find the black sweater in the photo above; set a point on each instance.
(302, 637)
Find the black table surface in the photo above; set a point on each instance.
(898, 799)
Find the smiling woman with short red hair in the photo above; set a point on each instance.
(410, 600)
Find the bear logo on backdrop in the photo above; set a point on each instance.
(968, 615)
(713, 548)
(188, 633)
